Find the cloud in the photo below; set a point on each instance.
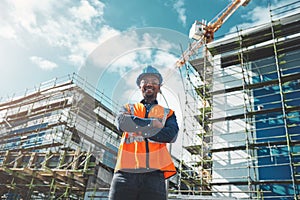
(257, 16)
(71, 27)
(86, 12)
(261, 14)
(74, 31)
(76, 59)
(167, 59)
(7, 32)
(43, 63)
(134, 47)
(179, 8)
(106, 33)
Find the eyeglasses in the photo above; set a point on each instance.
(152, 82)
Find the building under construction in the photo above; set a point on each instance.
(57, 142)
(250, 113)
(241, 127)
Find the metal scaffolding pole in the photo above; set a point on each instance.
(283, 106)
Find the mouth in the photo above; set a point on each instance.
(149, 90)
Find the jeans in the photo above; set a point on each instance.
(138, 186)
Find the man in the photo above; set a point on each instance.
(143, 161)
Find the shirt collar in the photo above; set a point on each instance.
(153, 102)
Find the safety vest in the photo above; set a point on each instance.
(136, 152)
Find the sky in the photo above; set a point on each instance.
(106, 42)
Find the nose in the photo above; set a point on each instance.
(150, 83)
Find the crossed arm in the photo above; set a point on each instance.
(150, 128)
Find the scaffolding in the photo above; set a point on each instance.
(250, 112)
(50, 175)
(241, 125)
(57, 141)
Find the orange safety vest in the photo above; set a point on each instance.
(135, 152)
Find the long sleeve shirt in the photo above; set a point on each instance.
(131, 123)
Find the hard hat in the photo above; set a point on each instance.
(149, 70)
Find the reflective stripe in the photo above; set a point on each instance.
(164, 119)
(131, 109)
(131, 137)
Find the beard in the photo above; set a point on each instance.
(149, 96)
(150, 93)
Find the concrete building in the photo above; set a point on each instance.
(250, 113)
(57, 141)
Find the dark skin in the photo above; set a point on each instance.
(150, 87)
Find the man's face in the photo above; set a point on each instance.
(150, 86)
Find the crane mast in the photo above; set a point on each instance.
(202, 32)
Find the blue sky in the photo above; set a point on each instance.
(41, 40)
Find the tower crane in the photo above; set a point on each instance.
(204, 32)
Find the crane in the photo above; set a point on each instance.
(204, 32)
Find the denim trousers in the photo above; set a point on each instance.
(138, 186)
